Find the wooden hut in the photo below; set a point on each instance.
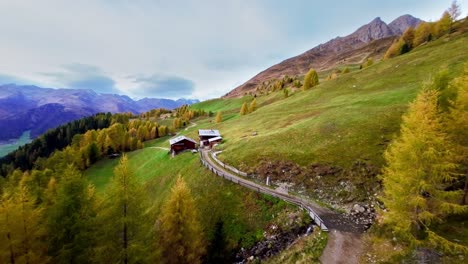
(205, 135)
(182, 143)
(214, 141)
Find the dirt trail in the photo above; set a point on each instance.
(344, 240)
(342, 248)
(160, 148)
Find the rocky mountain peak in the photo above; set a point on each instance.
(370, 40)
(403, 22)
(376, 29)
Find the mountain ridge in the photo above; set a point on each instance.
(377, 35)
(29, 107)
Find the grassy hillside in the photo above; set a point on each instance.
(245, 214)
(340, 121)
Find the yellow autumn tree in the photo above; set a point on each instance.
(457, 125)
(253, 106)
(420, 164)
(310, 80)
(181, 238)
(444, 25)
(21, 231)
(219, 117)
(121, 239)
(244, 110)
(422, 34)
(395, 49)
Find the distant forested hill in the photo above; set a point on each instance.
(38, 109)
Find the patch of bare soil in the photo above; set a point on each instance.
(342, 247)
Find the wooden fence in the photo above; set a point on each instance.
(256, 187)
(235, 170)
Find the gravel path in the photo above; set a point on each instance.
(344, 240)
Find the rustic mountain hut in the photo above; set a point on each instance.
(214, 141)
(205, 135)
(182, 143)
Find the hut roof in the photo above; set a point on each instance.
(214, 139)
(180, 138)
(209, 133)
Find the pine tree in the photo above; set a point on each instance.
(422, 34)
(395, 49)
(123, 235)
(286, 93)
(420, 163)
(181, 235)
(457, 126)
(21, 231)
(310, 80)
(244, 110)
(444, 24)
(70, 220)
(219, 117)
(253, 106)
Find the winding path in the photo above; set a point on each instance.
(344, 239)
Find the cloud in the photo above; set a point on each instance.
(82, 76)
(212, 44)
(7, 79)
(163, 86)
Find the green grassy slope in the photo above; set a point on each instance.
(245, 214)
(340, 121)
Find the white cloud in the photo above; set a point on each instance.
(213, 44)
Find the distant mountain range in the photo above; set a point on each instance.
(370, 40)
(38, 109)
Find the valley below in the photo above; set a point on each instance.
(13, 144)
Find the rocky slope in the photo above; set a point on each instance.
(370, 40)
(38, 109)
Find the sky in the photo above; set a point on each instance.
(176, 48)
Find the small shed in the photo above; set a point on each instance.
(182, 143)
(214, 141)
(206, 134)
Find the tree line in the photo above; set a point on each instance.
(55, 139)
(425, 32)
(56, 217)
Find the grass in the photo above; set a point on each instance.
(245, 213)
(10, 146)
(305, 250)
(340, 121)
(224, 105)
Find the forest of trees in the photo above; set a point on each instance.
(57, 217)
(55, 139)
(425, 32)
(425, 180)
(49, 213)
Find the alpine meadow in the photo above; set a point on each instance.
(355, 151)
